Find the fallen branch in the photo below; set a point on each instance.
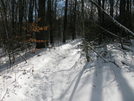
(12, 91)
(97, 53)
(124, 63)
(114, 63)
(22, 57)
(108, 31)
(4, 95)
(112, 19)
(103, 57)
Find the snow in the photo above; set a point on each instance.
(61, 73)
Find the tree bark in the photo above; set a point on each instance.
(31, 6)
(50, 21)
(13, 13)
(65, 21)
(21, 15)
(74, 21)
(111, 7)
(41, 23)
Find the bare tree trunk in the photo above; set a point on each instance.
(85, 47)
(31, 8)
(99, 12)
(74, 21)
(21, 15)
(111, 7)
(100, 21)
(50, 21)
(13, 24)
(128, 14)
(65, 22)
(41, 23)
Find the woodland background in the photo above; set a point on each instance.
(35, 24)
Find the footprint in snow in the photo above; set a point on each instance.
(37, 76)
(7, 77)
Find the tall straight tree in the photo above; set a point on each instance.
(122, 11)
(83, 17)
(21, 15)
(30, 16)
(128, 14)
(74, 21)
(111, 7)
(99, 12)
(103, 4)
(41, 23)
(13, 13)
(50, 21)
(31, 8)
(65, 21)
(100, 20)
(122, 17)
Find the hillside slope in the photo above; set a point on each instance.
(62, 74)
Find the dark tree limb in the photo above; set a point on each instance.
(112, 19)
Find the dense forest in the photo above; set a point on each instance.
(31, 24)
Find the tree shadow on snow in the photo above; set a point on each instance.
(73, 77)
(77, 82)
(125, 89)
(69, 72)
(96, 94)
(19, 59)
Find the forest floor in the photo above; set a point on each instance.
(61, 73)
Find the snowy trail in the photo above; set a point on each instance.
(58, 61)
(61, 74)
(39, 86)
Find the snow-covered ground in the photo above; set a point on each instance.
(62, 74)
